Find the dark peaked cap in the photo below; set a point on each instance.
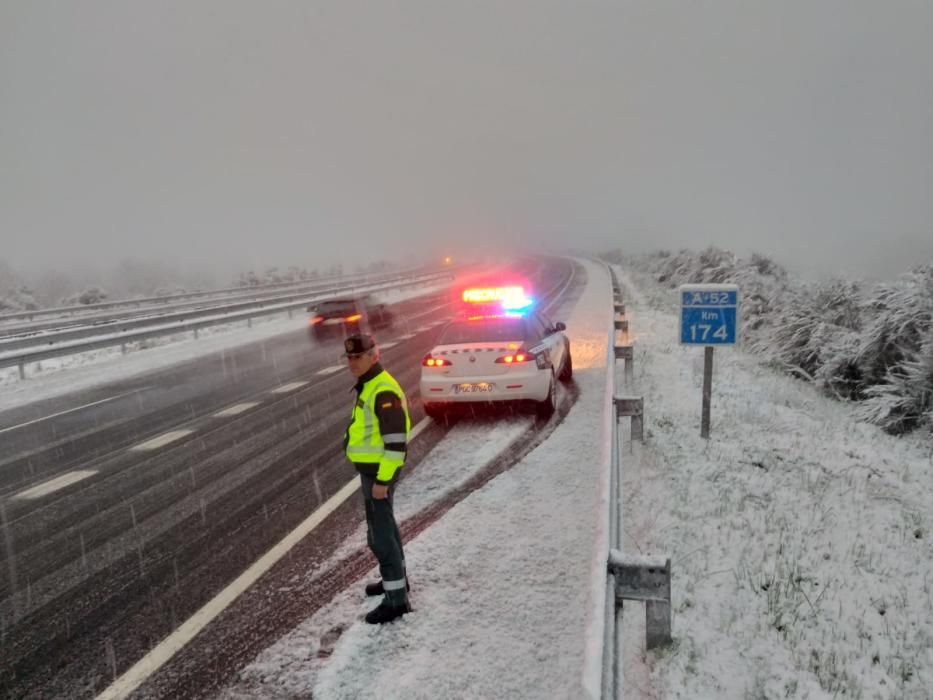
(358, 344)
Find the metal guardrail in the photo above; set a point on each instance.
(168, 298)
(46, 340)
(24, 330)
(21, 359)
(647, 579)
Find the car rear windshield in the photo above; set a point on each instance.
(336, 306)
(483, 331)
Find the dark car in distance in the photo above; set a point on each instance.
(348, 315)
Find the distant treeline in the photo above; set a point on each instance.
(132, 279)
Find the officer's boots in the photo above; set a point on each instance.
(376, 588)
(384, 612)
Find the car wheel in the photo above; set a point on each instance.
(566, 372)
(546, 408)
(435, 411)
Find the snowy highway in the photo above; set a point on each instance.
(127, 506)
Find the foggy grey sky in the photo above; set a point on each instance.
(241, 133)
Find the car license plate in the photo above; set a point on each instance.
(479, 388)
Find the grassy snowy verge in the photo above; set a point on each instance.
(800, 536)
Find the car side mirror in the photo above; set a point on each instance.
(560, 326)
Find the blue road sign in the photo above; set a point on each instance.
(709, 314)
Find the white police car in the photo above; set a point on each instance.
(499, 348)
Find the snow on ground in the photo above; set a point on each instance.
(503, 584)
(801, 544)
(63, 375)
(800, 541)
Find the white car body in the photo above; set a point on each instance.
(473, 374)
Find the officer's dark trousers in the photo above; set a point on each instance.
(385, 540)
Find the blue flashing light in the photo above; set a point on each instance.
(518, 305)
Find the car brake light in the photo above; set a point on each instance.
(430, 361)
(354, 317)
(316, 319)
(515, 358)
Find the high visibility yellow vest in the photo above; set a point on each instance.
(366, 442)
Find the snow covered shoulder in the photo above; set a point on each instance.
(502, 584)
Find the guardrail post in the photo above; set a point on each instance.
(249, 322)
(627, 353)
(195, 333)
(22, 370)
(122, 348)
(634, 407)
(646, 578)
(620, 307)
(621, 324)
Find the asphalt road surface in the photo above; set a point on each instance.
(126, 508)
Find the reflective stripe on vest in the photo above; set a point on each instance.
(366, 443)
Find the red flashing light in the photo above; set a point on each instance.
(487, 295)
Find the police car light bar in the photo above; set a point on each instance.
(508, 298)
(486, 295)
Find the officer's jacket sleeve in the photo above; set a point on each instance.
(391, 416)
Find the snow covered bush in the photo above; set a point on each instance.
(814, 335)
(168, 291)
(91, 295)
(896, 352)
(248, 279)
(18, 299)
(873, 345)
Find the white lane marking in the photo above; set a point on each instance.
(422, 329)
(59, 482)
(171, 645)
(330, 370)
(236, 409)
(386, 346)
(285, 388)
(416, 431)
(71, 410)
(157, 442)
(406, 337)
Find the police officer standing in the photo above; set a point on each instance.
(376, 443)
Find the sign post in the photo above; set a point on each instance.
(709, 315)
